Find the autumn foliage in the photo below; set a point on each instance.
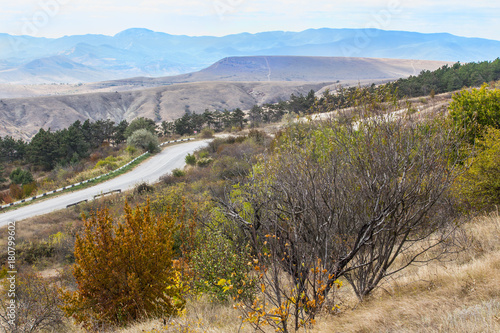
(124, 270)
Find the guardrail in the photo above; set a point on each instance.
(104, 194)
(88, 180)
(76, 203)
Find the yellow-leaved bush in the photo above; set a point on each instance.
(124, 270)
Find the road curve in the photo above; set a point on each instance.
(149, 172)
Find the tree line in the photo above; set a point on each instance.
(427, 83)
(218, 120)
(448, 78)
(191, 122)
(49, 148)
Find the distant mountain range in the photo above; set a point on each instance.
(142, 52)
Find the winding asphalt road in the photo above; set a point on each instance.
(150, 171)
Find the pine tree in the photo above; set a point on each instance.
(43, 149)
(2, 178)
(238, 118)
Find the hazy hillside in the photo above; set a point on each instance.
(52, 70)
(141, 52)
(22, 117)
(294, 68)
(260, 68)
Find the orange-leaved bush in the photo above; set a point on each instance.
(124, 270)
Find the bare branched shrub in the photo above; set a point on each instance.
(359, 199)
(36, 306)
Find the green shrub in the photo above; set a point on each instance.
(138, 124)
(143, 188)
(203, 162)
(203, 154)
(178, 173)
(20, 176)
(109, 163)
(144, 139)
(153, 148)
(222, 269)
(131, 150)
(206, 133)
(190, 159)
(480, 185)
(475, 110)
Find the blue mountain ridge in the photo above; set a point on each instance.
(142, 52)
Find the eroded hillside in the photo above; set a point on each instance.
(23, 117)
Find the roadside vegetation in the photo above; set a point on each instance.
(356, 223)
(43, 164)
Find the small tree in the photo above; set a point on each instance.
(184, 125)
(190, 159)
(238, 118)
(167, 127)
(119, 132)
(144, 139)
(124, 270)
(255, 115)
(140, 123)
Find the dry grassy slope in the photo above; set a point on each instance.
(22, 117)
(291, 68)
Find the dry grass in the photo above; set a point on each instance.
(41, 227)
(201, 315)
(457, 296)
(460, 295)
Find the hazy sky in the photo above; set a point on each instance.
(55, 18)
